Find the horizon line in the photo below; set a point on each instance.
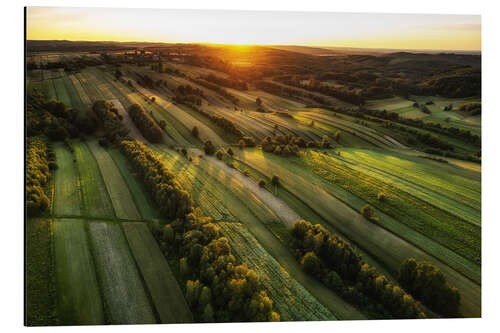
(268, 45)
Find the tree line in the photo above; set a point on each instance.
(224, 123)
(54, 120)
(316, 86)
(332, 260)
(226, 82)
(221, 91)
(148, 127)
(288, 145)
(38, 158)
(110, 120)
(218, 287)
(428, 284)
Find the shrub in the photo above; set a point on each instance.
(219, 154)
(209, 148)
(381, 196)
(195, 132)
(367, 212)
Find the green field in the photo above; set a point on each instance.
(391, 252)
(141, 199)
(124, 297)
(79, 300)
(40, 278)
(96, 199)
(159, 279)
(123, 202)
(67, 184)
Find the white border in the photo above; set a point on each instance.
(11, 132)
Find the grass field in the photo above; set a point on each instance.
(123, 202)
(143, 202)
(40, 292)
(159, 279)
(439, 184)
(78, 294)
(292, 301)
(97, 202)
(420, 215)
(386, 247)
(125, 300)
(67, 182)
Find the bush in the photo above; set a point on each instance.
(219, 154)
(195, 132)
(381, 196)
(367, 212)
(209, 148)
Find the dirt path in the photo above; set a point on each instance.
(134, 132)
(278, 206)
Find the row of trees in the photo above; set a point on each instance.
(37, 175)
(428, 284)
(227, 125)
(110, 120)
(333, 261)
(143, 121)
(54, 120)
(218, 287)
(187, 94)
(288, 145)
(226, 82)
(316, 86)
(215, 87)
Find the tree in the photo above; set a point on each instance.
(275, 180)
(367, 212)
(195, 132)
(208, 147)
(230, 151)
(262, 183)
(208, 314)
(311, 263)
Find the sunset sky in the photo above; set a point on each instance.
(396, 31)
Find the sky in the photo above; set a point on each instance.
(363, 30)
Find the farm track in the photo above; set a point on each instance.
(390, 249)
(278, 206)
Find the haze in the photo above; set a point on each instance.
(364, 30)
